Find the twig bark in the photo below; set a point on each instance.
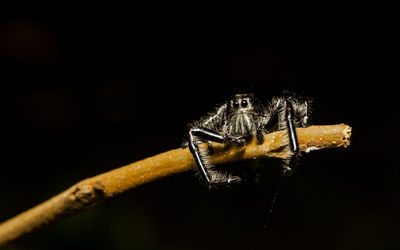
(93, 190)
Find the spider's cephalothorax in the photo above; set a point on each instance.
(241, 117)
(238, 120)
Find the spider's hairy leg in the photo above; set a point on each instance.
(211, 176)
(210, 147)
(291, 128)
(288, 167)
(194, 148)
(262, 122)
(260, 136)
(288, 112)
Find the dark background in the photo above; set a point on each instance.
(83, 93)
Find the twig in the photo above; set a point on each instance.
(90, 191)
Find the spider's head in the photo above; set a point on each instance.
(241, 111)
(243, 103)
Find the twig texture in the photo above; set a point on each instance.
(93, 190)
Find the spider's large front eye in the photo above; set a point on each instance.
(244, 103)
(235, 104)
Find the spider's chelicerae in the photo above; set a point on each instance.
(239, 119)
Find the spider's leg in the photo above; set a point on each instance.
(194, 149)
(260, 135)
(291, 128)
(211, 176)
(207, 134)
(210, 147)
(292, 135)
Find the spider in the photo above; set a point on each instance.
(239, 119)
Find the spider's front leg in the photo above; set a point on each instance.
(292, 134)
(291, 111)
(212, 176)
(291, 128)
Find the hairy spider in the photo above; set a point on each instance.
(240, 118)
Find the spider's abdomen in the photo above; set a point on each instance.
(241, 125)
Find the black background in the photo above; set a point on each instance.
(83, 93)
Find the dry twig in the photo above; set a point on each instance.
(93, 190)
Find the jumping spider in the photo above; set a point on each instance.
(237, 121)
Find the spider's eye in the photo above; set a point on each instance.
(235, 104)
(244, 103)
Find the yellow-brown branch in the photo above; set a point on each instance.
(93, 190)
